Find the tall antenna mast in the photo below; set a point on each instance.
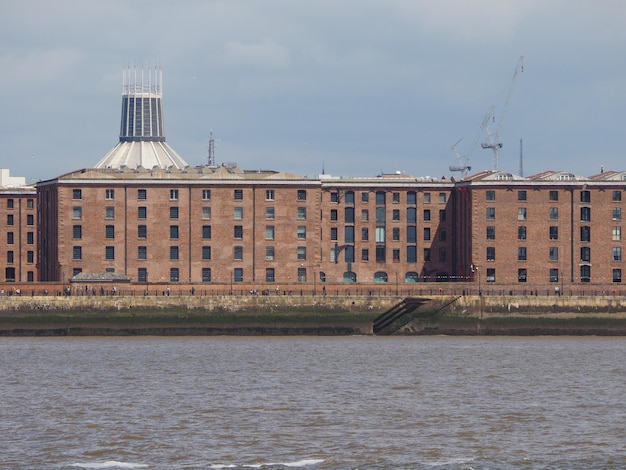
(521, 157)
(211, 150)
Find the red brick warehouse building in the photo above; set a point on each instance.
(144, 213)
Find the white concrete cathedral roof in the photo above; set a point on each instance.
(147, 154)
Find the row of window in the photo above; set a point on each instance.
(30, 238)
(30, 219)
(30, 203)
(30, 257)
(142, 194)
(553, 253)
(347, 197)
(585, 196)
(553, 275)
(380, 234)
(553, 233)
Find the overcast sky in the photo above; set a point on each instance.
(351, 87)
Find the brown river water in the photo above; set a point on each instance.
(314, 403)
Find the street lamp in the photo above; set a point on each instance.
(231, 283)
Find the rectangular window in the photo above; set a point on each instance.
(585, 273)
(426, 254)
(554, 232)
(30, 204)
(491, 232)
(617, 233)
(238, 232)
(617, 196)
(426, 233)
(349, 233)
(411, 233)
(617, 275)
(269, 194)
(380, 198)
(142, 194)
(238, 213)
(585, 233)
(490, 196)
(301, 253)
(333, 233)
(206, 212)
(77, 232)
(617, 253)
(238, 253)
(77, 213)
(491, 275)
(270, 275)
(10, 257)
(365, 215)
(30, 257)
(206, 232)
(365, 234)
(10, 219)
(142, 275)
(30, 219)
(142, 231)
(269, 232)
(365, 197)
(174, 275)
(174, 232)
(174, 252)
(554, 195)
(426, 214)
(77, 253)
(301, 232)
(302, 213)
(349, 197)
(442, 198)
(380, 234)
(76, 194)
(269, 253)
(554, 213)
(333, 214)
(365, 254)
(301, 274)
(395, 234)
(411, 254)
(110, 212)
(617, 213)
(142, 252)
(585, 253)
(301, 194)
(585, 214)
(142, 212)
(269, 213)
(109, 194)
(411, 197)
(521, 213)
(521, 253)
(442, 215)
(395, 255)
(109, 252)
(173, 194)
(554, 275)
(381, 215)
(491, 213)
(174, 212)
(554, 253)
(411, 215)
(110, 231)
(585, 196)
(491, 253)
(521, 195)
(381, 254)
(426, 198)
(206, 194)
(396, 214)
(334, 197)
(10, 203)
(30, 238)
(238, 194)
(206, 252)
(522, 274)
(521, 232)
(10, 238)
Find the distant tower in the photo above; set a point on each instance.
(211, 155)
(142, 136)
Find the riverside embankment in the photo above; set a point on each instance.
(23, 315)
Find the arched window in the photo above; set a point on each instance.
(322, 276)
(411, 276)
(349, 276)
(380, 276)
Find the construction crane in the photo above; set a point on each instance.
(493, 138)
(462, 162)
